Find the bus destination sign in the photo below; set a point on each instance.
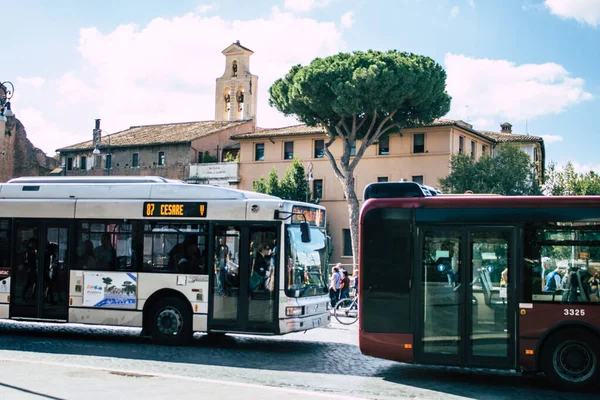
(314, 216)
(175, 209)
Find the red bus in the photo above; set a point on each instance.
(481, 281)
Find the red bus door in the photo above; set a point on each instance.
(465, 296)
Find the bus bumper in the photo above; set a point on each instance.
(288, 325)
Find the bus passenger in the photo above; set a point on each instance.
(221, 258)
(31, 266)
(261, 266)
(105, 254)
(85, 253)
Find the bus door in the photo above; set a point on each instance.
(466, 296)
(40, 264)
(244, 279)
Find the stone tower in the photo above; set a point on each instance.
(235, 97)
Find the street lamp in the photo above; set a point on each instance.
(97, 152)
(309, 179)
(7, 89)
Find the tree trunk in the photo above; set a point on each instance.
(353, 212)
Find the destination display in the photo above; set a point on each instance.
(314, 216)
(175, 209)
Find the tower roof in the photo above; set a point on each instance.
(236, 48)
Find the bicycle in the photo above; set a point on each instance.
(346, 311)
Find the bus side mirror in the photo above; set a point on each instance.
(305, 232)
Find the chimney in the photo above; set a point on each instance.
(506, 128)
(97, 136)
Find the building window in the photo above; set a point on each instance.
(108, 161)
(259, 152)
(69, 163)
(288, 150)
(472, 149)
(353, 149)
(161, 158)
(382, 179)
(461, 144)
(483, 149)
(83, 163)
(384, 146)
(135, 160)
(200, 154)
(419, 143)
(418, 179)
(536, 155)
(319, 148)
(347, 243)
(317, 189)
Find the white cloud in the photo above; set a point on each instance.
(43, 132)
(552, 138)
(472, 3)
(34, 81)
(348, 19)
(204, 8)
(584, 11)
(454, 12)
(492, 91)
(165, 72)
(578, 167)
(305, 5)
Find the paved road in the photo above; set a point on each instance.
(73, 362)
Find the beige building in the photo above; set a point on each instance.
(421, 155)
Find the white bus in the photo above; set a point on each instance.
(169, 257)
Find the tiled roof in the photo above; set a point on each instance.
(294, 130)
(511, 137)
(303, 130)
(145, 135)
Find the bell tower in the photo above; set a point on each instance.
(235, 97)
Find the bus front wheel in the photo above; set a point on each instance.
(171, 322)
(570, 358)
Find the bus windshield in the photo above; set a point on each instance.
(306, 263)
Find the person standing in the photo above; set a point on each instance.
(345, 286)
(334, 286)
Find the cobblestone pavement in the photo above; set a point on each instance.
(324, 362)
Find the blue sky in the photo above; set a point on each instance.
(530, 62)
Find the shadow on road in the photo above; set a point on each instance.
(271, 353)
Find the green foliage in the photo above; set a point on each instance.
(229, 157)
(207, 158)
(272, 183)
(292, 186)
(509, 173)
(369, 85)
(570, 183)
(260, 186)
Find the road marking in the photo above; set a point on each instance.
(186, 378)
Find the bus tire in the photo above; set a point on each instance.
(171, 322)
(570, 358)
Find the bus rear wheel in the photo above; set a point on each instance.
(570, 358)
(171, 322)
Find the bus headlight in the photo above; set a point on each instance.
(294, 311)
